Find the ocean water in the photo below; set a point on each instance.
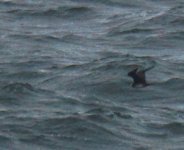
(63, 74)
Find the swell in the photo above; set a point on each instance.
(157, 28)
(10, 3)
(62, 11)
(78, 127)
(173, 127)
(15, 91)
(178, 21)
(169, 17)
(36, 38)
(22, 91)
(50, 37)
(116, 3)
(114, 32)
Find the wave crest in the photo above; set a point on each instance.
(18, 87)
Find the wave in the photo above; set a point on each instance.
(36, 38)
(117, 3)
(66, 12)
(74, 126)
(172, 84)
(115, 31)
(173, 127)
(18, 88)
(95, 114)
(76, 39)
(65, 37)
(124, 61)
(7, 3)
(148, 29)
(167, 17)
(147, 37)
(178, 35)
(178, 21)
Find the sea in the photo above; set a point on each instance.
(63, 74)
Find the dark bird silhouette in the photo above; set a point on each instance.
(139, 77)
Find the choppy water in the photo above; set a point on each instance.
(63, 74)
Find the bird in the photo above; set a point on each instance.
(139, 77)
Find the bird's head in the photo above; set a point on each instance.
(132, 73)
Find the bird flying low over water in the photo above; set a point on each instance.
(139, 77)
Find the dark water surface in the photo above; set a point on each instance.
(63, 74)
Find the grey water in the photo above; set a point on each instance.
(63, 74)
